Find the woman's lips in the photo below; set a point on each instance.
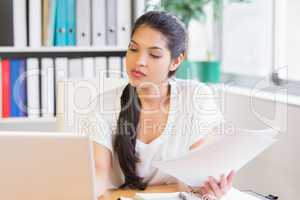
(137, 74)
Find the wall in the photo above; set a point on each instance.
(275, 171)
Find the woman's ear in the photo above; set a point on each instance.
(176, 62)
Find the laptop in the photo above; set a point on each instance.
(46, 166)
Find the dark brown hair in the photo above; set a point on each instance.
(124, 145)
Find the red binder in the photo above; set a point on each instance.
(5, 88)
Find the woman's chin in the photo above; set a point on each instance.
(137, 82)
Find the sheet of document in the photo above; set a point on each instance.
(225, 153)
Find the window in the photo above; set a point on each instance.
(247, 37)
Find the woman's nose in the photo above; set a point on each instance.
(141, 59)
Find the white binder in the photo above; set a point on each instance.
(111, 19)
(124, 22)
(83, 26)
(98, 22)
(19, 20)
(35, 23)
(33, 87)
(88, 68)
(100, 67)
(61, 69)
(47, 95)
(114, 67)
(75, 69)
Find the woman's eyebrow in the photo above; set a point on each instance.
(134, 42)
(153, 47)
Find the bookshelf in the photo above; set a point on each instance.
(96, 43)
(15, 123)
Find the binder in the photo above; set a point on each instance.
(111, 22)
(61, 69)
(124, 22)
(45, 21)
(5, 88)
(61, 23)
(114, 67)
(98, 22)
(49, 12)
(71, 22)
(19, 23)
(101, 68)
(6, 20)
(33, 88)
(75, 69)
(18, 97)
(83, 28)
(123, 68)
(35, 23)
(88, 68)
(47, 86)
(0, 88)
(52, 23)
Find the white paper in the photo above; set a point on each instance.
(226, 153)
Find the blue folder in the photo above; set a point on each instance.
(53, 22)
(18, 93)
(61, 23)
(71, 22)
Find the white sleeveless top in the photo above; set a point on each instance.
(192, 114)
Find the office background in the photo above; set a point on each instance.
(260, 46)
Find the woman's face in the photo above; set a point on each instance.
(148, 60)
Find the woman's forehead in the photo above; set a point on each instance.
(146, 36)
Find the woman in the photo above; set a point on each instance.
(159, 117)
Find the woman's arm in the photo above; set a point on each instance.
(103, 166)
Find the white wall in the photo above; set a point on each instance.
(277, 170)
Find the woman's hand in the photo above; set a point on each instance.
(214, 190)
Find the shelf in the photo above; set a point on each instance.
(74, 51)
(61, 49)
(27, 120)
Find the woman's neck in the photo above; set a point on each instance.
(154, 96)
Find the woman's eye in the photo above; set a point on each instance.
(155, 56)
(132, 49)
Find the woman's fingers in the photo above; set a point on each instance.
(209, 194)
(223, 183)
(215, 187)
(230, 178)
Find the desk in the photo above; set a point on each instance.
(115, 194)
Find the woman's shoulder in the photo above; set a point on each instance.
(192, 87)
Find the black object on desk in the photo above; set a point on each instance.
(263, 197)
